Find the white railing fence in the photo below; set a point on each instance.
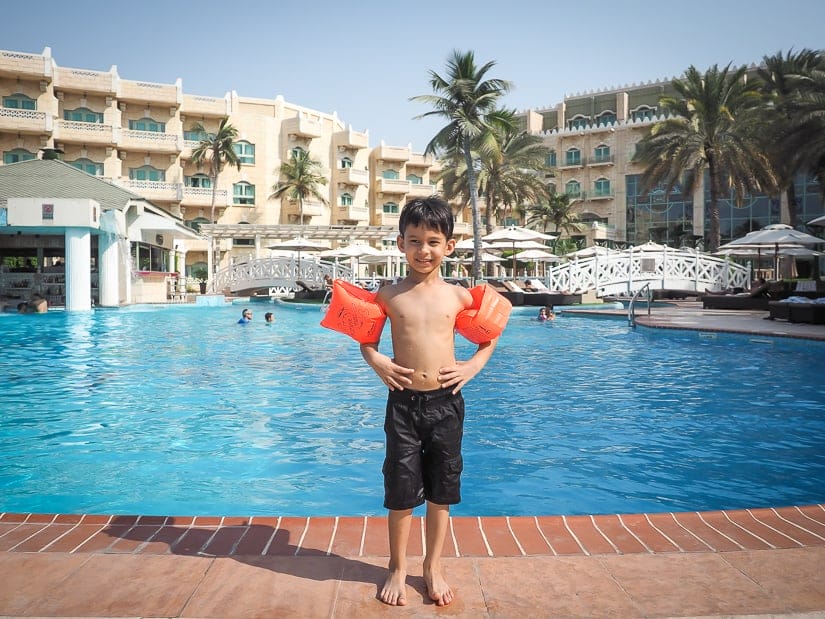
(276, 273)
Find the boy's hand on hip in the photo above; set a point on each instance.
(457, 375)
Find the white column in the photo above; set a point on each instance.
(109, 283)
(78, 269)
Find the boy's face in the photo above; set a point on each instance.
(425, 248)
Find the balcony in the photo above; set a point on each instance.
(392, 153)
(351, 139)
(202, 196)
(573, 163)
(360, 214)
(84, 133)
(351, 176)
(17, 64)
(600, 160)
(196, 105)
(83, 80)
(155, 190)
(462, 228)
(424, 190)
(386, 219)
(150, 141)
(576, 195)
(312, 208)
(418, 160)
(302, 127)
(604, 194)
(24, 121)
(149, 93)
(392, 186)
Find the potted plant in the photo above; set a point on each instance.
(201, 275)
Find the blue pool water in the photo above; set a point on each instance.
(178, 410)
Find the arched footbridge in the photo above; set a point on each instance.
(283, 273)
(625, 272)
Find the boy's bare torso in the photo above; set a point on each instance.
(422, 318)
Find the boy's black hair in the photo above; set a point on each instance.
(433, 213)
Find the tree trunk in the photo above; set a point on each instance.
(471, 179)
(714, 236)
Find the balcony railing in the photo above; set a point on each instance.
(147, 92)
(352, 139)
(573, 163)
(392, 153)
(197, 105)
(83, 80)
(386, 219)
(354, 213)
(392, 185)
(86, 133)
(421, 190)
(150, 141)
(311, 208)
(601, 160)
(202, 196)
(156, 190)
(351, 176)
(24, 121)
(24, 65)
(302, 127)
(603, 194)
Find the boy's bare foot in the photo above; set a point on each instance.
(437, 587)
(394, 592)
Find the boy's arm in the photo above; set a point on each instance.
(460, 374)
(391, 374)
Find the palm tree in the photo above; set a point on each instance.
(712, 125)
(783, 80)
(468, 102)
(216, 150)
(557, 209)
(301, 178)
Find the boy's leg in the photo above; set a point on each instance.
(438, 521)
(395, 587)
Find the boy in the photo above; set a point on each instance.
(425, 409)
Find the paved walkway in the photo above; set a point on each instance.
(767, 562)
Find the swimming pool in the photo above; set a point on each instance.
(176, 410)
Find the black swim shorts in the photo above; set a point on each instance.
(423, 457)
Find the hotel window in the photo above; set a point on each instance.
(18, 154)
(297, 151)
(573, 189)
(198, 180)
(19, 101)
(147, 173)
(602, 187)
(346, 163)
(415, 179)
(579, 122)
(601, 153)
(550, 159)
(573, 156)
(606, 118)
(643, 112)
(243, 194)
(83, 115)
(346, 199)
(390, 208)
(197, 136)
(390, 175)
(245, 152)
(88, 166)
(147, 124)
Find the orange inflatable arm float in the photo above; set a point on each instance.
(354, 312)
(486, 318)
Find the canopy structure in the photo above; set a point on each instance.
(516, 234)
(773, 237)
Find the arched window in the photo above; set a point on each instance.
(17, 154)
(88, 166)
(415, 179)
(83, 115)
(606, 118)
(346, 163)
(573, 189)
(297, 151)
(243, 194)
(146, 173)
(245, 151)
(578, 122)
(19, 101)
(550, 159)
(198, 180)
(601, 187)
(147, 124)
(601, 153)
(643, 112)
(573, 156)
(390, 208)
(390, 175)
(346, 199)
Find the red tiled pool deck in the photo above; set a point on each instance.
(748, 563)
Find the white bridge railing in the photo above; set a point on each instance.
(624, 273)
(276, 273)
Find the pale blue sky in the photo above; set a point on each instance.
(364, 59)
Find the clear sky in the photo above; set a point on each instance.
(365, 59)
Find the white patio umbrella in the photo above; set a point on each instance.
(299, 244)
(515, 234)
(353, 251)
(773, 237)
(593, 250)
(819, 221)
(537, 255)
(467, 245)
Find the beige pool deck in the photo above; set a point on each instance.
(741, 563)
